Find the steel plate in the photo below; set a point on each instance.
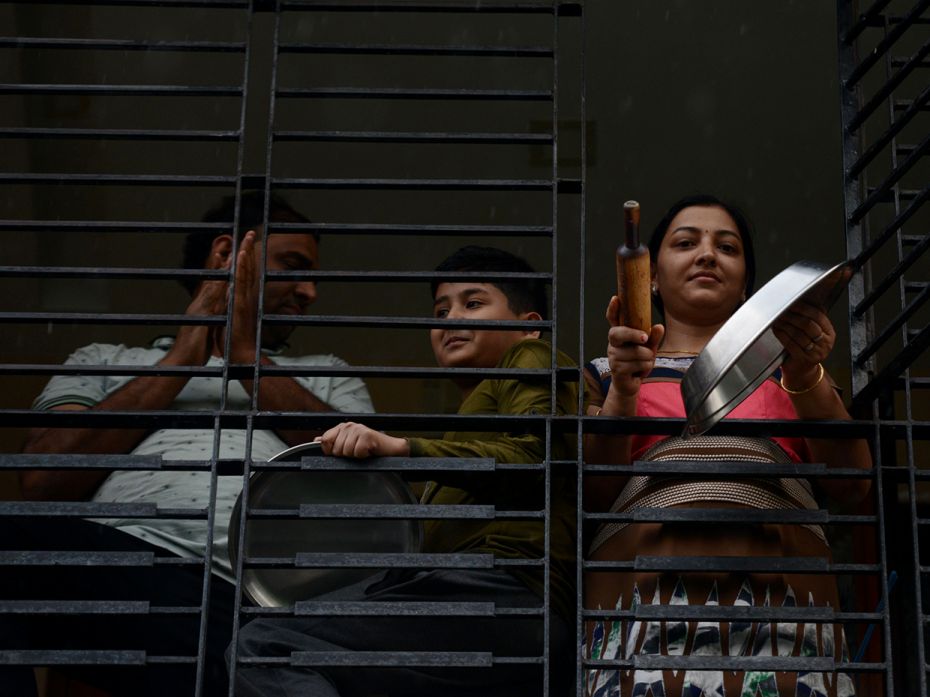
(744, 352)
(287, 536)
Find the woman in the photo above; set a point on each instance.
(703, 268)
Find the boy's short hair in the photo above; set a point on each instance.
(523, 294)
(251, 215)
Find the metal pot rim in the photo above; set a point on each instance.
(744, 352)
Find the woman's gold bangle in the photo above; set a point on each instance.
(806, 389)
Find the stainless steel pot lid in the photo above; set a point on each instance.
(744, 352)
(288, 536)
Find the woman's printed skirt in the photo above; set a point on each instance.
(624, 639)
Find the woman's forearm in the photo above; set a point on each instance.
(823, 402)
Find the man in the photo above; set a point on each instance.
(184, 537)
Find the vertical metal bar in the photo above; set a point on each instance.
(916, 616)
(224, 389)
(553, 364)
(246, 456)
(880, 538)
(269, 146)
(579, 455)
(859, 326)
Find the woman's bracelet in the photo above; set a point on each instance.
(806, 389)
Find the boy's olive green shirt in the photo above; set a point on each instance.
(509, 490)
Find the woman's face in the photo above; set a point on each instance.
(700, 272)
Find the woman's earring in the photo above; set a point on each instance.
(655, 289)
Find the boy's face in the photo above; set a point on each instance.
(460, 347)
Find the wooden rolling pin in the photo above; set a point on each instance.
(633, 274)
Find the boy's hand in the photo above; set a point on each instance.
(357, 440)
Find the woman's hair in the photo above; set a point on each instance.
(197, 244)
(742, 224)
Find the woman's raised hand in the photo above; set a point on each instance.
(631, 353)
(808, 336)
(806, 333)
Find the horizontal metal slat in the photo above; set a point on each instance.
(79, 461)
(720, 613)
(410, 93)
(886, 234)
(840, 428)
(391, 512)
(914, 349)
(745, 564)
(74, 607)
(383, 464)
(274, 420)
(398, 322)
(51, 657)
(893, 178)
(74, 369)
(111, 272)
(710, 469)
(564, 374)
(392, 659)
(385, 184)
(900, 61)
(446, 7)
(871, 17)
(113, 318)
(892, 277)
(801, 565)
(885, 138)
(730, 467)
(88, 558)
(124, 90)
(121, 44)
(429, 229)
(319, 560)
(713, 515)
(83, 509)
(57, 178)
(908, 104)
(321, 608)
(894, 325)
(399, 276)
(884, 45)
(119, 134)
(733, 663)
(413, 137)
(237, 372)
(836, 428)
(887, 89)
(214, 4)
(96, 226)
(418, 50)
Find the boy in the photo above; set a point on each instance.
(519, 634)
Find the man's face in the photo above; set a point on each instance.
(474, 348)
(298, 252)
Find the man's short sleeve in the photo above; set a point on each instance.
(342, 393)
(86, 390)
